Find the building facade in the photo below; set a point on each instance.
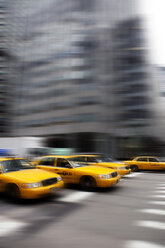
(4, 70)
(81, 79)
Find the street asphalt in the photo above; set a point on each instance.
(129, 215)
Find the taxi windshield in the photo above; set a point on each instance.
(92, 159)
(76, 164)
(15, 165)
(102, 159)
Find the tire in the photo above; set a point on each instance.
(87, 182)
(134, 168)
(13, 191)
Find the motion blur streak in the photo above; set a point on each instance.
(76, 77)
(7, 226)
(141, 244)
(78, 74)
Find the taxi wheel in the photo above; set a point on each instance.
(13, 191)
(87, 182)
(134, 168)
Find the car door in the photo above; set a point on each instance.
(154, 164)
(65, 170)
(47, 163)
(142, 163)
(1, 180)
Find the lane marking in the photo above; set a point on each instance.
(161, 184)
(157, 196)
(160, 187)
(141, 244)
(76, 197)
(151, 224)
(152, 211)
(157, 202)
(159, 191)
(133, 175)
(8, 225)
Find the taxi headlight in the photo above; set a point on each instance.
(59, 179)
(104, 176)
(31, 185)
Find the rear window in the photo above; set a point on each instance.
(153, 160)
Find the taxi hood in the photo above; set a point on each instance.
(30, 175)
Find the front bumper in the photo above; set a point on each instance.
(108, 182)
(34, 193)
(124, 172)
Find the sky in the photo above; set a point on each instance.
(155, 11)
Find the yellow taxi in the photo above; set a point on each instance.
(145, 163)
(79, 173)
(104, 161)
(19, 179)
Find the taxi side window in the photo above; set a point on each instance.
(79, 159)
(47, 162)
(142, 159)
(153, 160)
(63, 163)
(91, 160)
